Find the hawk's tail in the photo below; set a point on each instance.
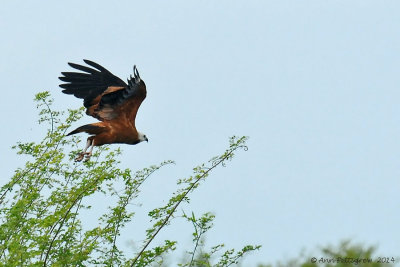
(88, 128)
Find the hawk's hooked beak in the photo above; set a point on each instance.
(136, 74)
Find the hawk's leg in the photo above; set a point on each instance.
(83, 153)
(89, 154)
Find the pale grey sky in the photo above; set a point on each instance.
(315, 84)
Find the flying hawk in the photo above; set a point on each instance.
(110, 100)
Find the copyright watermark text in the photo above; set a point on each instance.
(354, 261)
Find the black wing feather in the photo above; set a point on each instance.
(95, 65)
(82, 68)
(74, 75)
(91, 83)
(118, 97)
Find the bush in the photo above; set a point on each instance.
(40, 205)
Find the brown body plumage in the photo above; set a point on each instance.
(108, 99)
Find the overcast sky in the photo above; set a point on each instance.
(315, 84)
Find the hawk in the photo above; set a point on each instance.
(110, 100)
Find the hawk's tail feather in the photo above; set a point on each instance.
(88, 128)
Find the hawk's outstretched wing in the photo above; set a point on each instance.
(105, 96)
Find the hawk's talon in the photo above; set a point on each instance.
(87, 156)
(80, 157)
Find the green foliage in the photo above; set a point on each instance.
(344, 255)
(199, 256)
(41, 204)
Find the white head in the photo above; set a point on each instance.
(142, 137)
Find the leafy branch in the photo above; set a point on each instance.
(165, 213)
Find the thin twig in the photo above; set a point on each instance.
(197, 243)
(51, 115)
